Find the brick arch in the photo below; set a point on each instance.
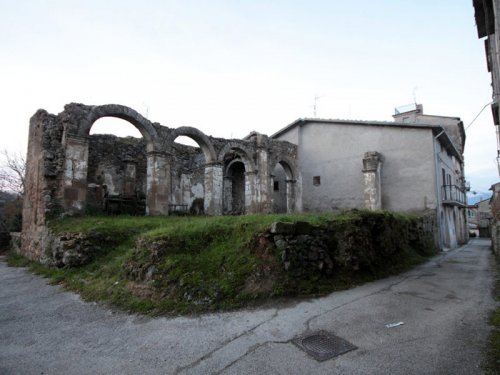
(125, 113)
(199, 137)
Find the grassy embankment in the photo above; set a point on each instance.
(194, 264)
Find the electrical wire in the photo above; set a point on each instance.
(481, 111)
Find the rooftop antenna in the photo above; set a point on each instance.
(415, 94)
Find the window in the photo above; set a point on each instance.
(317, 180)
(276, 185)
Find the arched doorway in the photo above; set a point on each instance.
(234, 188)
(284, 187)
(279, 189)
(239, 169)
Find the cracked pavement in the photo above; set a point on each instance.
(443, 303)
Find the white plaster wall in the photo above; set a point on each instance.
(291, 135)
(335, 153)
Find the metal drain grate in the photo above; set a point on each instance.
(323, 345)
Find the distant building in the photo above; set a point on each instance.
(413, 164)
(473, 219)
(479, 217)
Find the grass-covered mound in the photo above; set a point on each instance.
(193, 264)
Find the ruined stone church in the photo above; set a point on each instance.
(413, 164)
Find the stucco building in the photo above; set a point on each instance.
(487, 14)
(413, 164)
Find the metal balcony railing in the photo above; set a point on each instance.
(453, 195)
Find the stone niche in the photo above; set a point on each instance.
(70, 172)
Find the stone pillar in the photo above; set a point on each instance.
(129, 182)
(290, 196)
(372, 165)
(74, 181)
(158, 183)
(213, 189)
(263, 197)
(228, 194)
(36, 189)
(250, 192)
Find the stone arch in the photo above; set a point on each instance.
(212, 181)
(199, 137)
(79, 120)
(234, 187)
(288, 192)
(239, 150)
(230, 155)
(288, 166)
(125, 113)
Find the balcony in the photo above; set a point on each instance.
(453, 195)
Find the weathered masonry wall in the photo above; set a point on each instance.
(70, 172)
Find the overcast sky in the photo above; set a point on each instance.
(230, 67)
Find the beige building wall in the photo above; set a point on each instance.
(330, 157)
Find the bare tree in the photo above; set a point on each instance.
(12, 172)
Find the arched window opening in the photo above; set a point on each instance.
(117, 168)
(115, 126)
(186, 141)
(187, 177)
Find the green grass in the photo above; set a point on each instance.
(491, 364)
(162, 265)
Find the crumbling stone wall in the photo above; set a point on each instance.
(116, 175)
(366, 243)
(70, 172)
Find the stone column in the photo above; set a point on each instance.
(213, 189)
(250, 193)
(290, 196)
(129, 183)
(228, 196)
(263, 196)
(158, 183)
(74, 181)
(372, 165)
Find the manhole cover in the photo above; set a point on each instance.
(323, 345)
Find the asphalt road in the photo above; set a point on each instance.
(443, 304)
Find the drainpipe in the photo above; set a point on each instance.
(438, 190)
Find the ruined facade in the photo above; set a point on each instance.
(72, 172)
(413, 164)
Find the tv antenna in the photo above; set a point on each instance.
(415, 94)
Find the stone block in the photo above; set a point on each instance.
(279, 227)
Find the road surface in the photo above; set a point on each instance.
(443, 304)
